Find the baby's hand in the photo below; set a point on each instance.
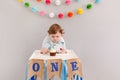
(44, 51)
(63, 51)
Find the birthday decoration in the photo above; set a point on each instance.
(20, 0)
(80, 11)
(48, 2)
(27, 4)
(70, 14)
(61, 14)
(89, 6)
(42, 13)
(39, 69)
(68, 2)
(54, 68)
(77, 0)
(58, 2)
(38, 0)
(34, 9)
(51, 15)
(36, 69)
(97, 1)
(74, 68)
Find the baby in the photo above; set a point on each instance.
(54, 40)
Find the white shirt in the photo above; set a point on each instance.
(47, 43)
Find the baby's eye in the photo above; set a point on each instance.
(52, 36)
(57, 36)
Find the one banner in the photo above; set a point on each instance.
(54, 67)
(74, 67)
(36, 69)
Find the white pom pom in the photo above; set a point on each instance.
(58, 2)
(51, 15)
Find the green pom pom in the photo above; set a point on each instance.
(27, 4)
(89, 6)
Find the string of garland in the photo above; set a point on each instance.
(60, 15)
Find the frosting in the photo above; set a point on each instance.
(52, 50)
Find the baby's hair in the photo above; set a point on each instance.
(55, 28)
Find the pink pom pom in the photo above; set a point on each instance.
(68, 2)
(42, 13)
(60, 15)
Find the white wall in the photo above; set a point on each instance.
(94, 36)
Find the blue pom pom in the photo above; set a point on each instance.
(34, 9)
(77, 0)
(97, 1)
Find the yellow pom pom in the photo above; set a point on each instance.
(80, 11)
(20, 0)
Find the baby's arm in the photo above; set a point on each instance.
(63, 51)
(44, 51)
(45, 46)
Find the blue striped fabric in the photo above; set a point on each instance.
(64, 70)
(81, 78)
(76, 77)
(45, 70)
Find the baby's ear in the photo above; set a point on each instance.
(48, 34)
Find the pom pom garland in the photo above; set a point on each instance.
(27, 4)
(58, 2)
(68, 2)
(51, 15)
(48, 2)
(61, 14)
(20, 0)
(38, 0)
(34, 9)
(80, 11)
(89, 6)
(97, 1)
(42, 13)
(77, 0)
(70, 14)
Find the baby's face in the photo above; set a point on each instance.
(55, 37)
